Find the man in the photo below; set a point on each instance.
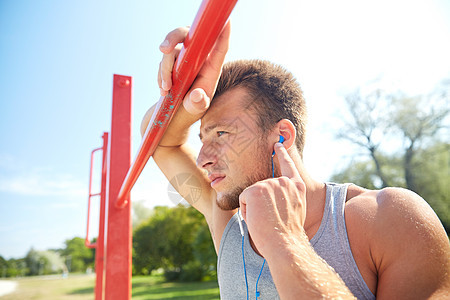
(302, 239)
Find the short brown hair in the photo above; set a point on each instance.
(274, 94)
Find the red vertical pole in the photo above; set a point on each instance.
(118, 248)
(100, 250)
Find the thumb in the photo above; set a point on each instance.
(196, 102)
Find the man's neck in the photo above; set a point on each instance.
(315, 199)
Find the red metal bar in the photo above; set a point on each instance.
(208, 24)
(118, 246)
(87, 243)
(100, 244)
(100, 251)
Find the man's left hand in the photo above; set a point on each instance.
(275, 209)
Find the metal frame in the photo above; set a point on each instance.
(113, 263)
(100, 244)
(118, 244)
(208, 24)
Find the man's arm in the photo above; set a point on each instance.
(297, 270)
(172, 155)
(410, 247)
(300, 273)
(406, 243)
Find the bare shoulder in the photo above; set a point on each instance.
(398, 207)
(405, 243)
(394, 213)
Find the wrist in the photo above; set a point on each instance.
(284, 245)
(177, 132)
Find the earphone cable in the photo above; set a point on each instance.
(245, 271)
(257, 293)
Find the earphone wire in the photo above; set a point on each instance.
(243, 260)
(257, 293)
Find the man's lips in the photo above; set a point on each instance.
(215, 178)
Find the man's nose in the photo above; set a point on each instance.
(207, 156)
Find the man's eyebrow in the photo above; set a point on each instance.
(212, 127)
(208, 129)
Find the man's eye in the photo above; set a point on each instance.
(220, 133)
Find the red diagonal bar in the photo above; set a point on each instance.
(208, 24)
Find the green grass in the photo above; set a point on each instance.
(75, 287)
(81, 287)
(154, 287)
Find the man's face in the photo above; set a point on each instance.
(234, 152)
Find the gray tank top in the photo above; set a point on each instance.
(330, 242)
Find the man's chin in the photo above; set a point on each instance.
(228, 201)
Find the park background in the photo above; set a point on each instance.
(57, 60)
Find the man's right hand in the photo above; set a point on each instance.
(173, 156)
(197, 99)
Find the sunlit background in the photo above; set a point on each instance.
(57, 60)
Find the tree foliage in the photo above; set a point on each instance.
(13, 267)
(406, 143)
(431, 169)
(43, 262)
(77, 256)
(177, 240)
(139, 213)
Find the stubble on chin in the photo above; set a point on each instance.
(230, 200)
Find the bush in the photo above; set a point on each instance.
(177, 240)
(192, 271)
(172, 274)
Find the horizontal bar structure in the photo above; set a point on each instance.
(206, 28)
(100, 244)
(87, 242)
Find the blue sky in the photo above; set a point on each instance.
(57, 59)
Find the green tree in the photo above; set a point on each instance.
(431, 169)
(172, 239)
(77, 256)
(405, 140)
(34, 262)
(3, 266)
(417, 119)
(376, 121)
(17, 267)
(140, 213)
(366, 124)
(13, 267)
(204, 251)
(39, 263)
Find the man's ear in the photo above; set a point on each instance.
(288, 131)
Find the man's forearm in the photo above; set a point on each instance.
(298, 272)
(178, 130)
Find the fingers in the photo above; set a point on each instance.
(220, 48)
(210, 72)
(173, 38)
(170, 47)
(165, 68)
(243, 203)
(287, 165)
(197, 102)
(161, 91)
(243, 207)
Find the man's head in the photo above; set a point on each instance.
(255, 102)
(273, 92)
